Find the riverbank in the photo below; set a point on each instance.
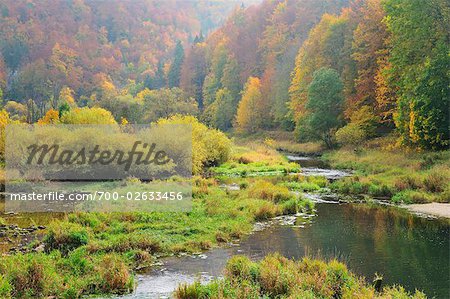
(399, 175)
(278, 277)
(97, 253)
(433, 209)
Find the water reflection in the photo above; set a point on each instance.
(406, 249)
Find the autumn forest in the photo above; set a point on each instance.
(385, 62)
(313, 159)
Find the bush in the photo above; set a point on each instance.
(379, 190)
(278, 277)
(412, 182)
(86, 115)
(410, 196)
(266, 211)
(241, 267)
(302, 186)
(30, 276)
(65, 236)
(268, 191)
(296, 205)
(351, 134)
(435, 181)
(114, 275)
(209, 147)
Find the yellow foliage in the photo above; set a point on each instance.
(66, 96)
(314, 54)
(209, 146)
(249, 116)
(4, 120)
(123, 121)
(87, 115)
(51, 117)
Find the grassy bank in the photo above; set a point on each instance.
(398, 174)
(255, 159)
(278, 277)
(96, 253)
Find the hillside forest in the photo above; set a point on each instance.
(333, 70)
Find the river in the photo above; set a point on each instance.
(404, 248)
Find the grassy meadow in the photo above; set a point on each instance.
(393, 173)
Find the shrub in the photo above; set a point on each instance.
(296, 205)
(30, 276)
(291, 206)
(65, 236)
(410, 196)
(302, 186)
(412, 182)
(266, 211)
(435, 181)
(268, 191)
(124, 243)
(241, 267)
(114, 275)
(379, 190)
(209, 147)
(86, 115)
(278, 277)
(351, 134)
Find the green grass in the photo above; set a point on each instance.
(255, 169)
(398, 174)
(255, 159)
(306, 184)
(96, 253)
(278, 277)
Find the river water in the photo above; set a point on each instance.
(404, 248)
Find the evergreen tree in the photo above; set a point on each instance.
(173, 77)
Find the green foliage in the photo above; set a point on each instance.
(220, 113)
(65, 237)
(164, 103)
(419, 59)
(30, 276)
(351, 134)
(325, 105)
(63, 109)
(85, 115)
(398, 175)
(93, 253)
(209, 147)
(297, 205)
(279, 277)
(173, 77)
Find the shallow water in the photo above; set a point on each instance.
(404, 248)
(313, 166)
